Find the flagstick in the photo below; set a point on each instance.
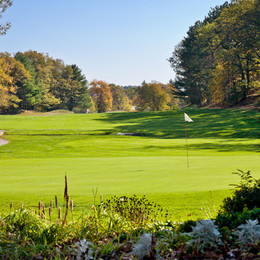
(186, 144)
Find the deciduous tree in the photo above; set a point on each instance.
(12, 75)
(218, 60)
(43, 67)
(151, 97)
(61, 86)
(4, 4)
(120, 98)
(236, 50)
(101, 95)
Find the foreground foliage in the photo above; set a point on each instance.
(23, 235)
(128, 228)
(247, 194)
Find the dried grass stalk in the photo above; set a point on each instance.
(71, 205)
(56, 201)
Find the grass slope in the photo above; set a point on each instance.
(44, 147)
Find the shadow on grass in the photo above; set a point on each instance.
(219, 147)
(208, 123)
(66, 132)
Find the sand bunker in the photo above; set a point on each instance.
(3, 141)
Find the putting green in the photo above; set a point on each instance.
(42, 149)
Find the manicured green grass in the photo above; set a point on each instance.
(43, 148)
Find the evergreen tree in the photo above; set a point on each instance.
(83, 102)
(29, 93)
(193, 61)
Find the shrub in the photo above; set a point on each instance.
(25, 224)
(248, 234)
(84, 250)
(139, 211)
(145, 247)
(234, 219)
(246, 195)
(204, 235)
(23, 235)
(167, 240)
(187, 226)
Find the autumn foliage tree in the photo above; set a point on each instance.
(121, 102)
(45, 77)
(236, 52)
(101, 95)
(12, 75)
(218, 61)
(62, 85)
(36, 81)
(151, 97)
(58, 86)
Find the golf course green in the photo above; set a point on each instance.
(98, 160)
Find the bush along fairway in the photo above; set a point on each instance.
(129, 227)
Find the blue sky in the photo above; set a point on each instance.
(118, 41)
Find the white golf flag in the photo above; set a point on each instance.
(187, 118)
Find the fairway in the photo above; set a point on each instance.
(44, 147)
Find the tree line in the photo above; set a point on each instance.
(218, 61)
(35, 81)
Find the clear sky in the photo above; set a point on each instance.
(118, 41)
